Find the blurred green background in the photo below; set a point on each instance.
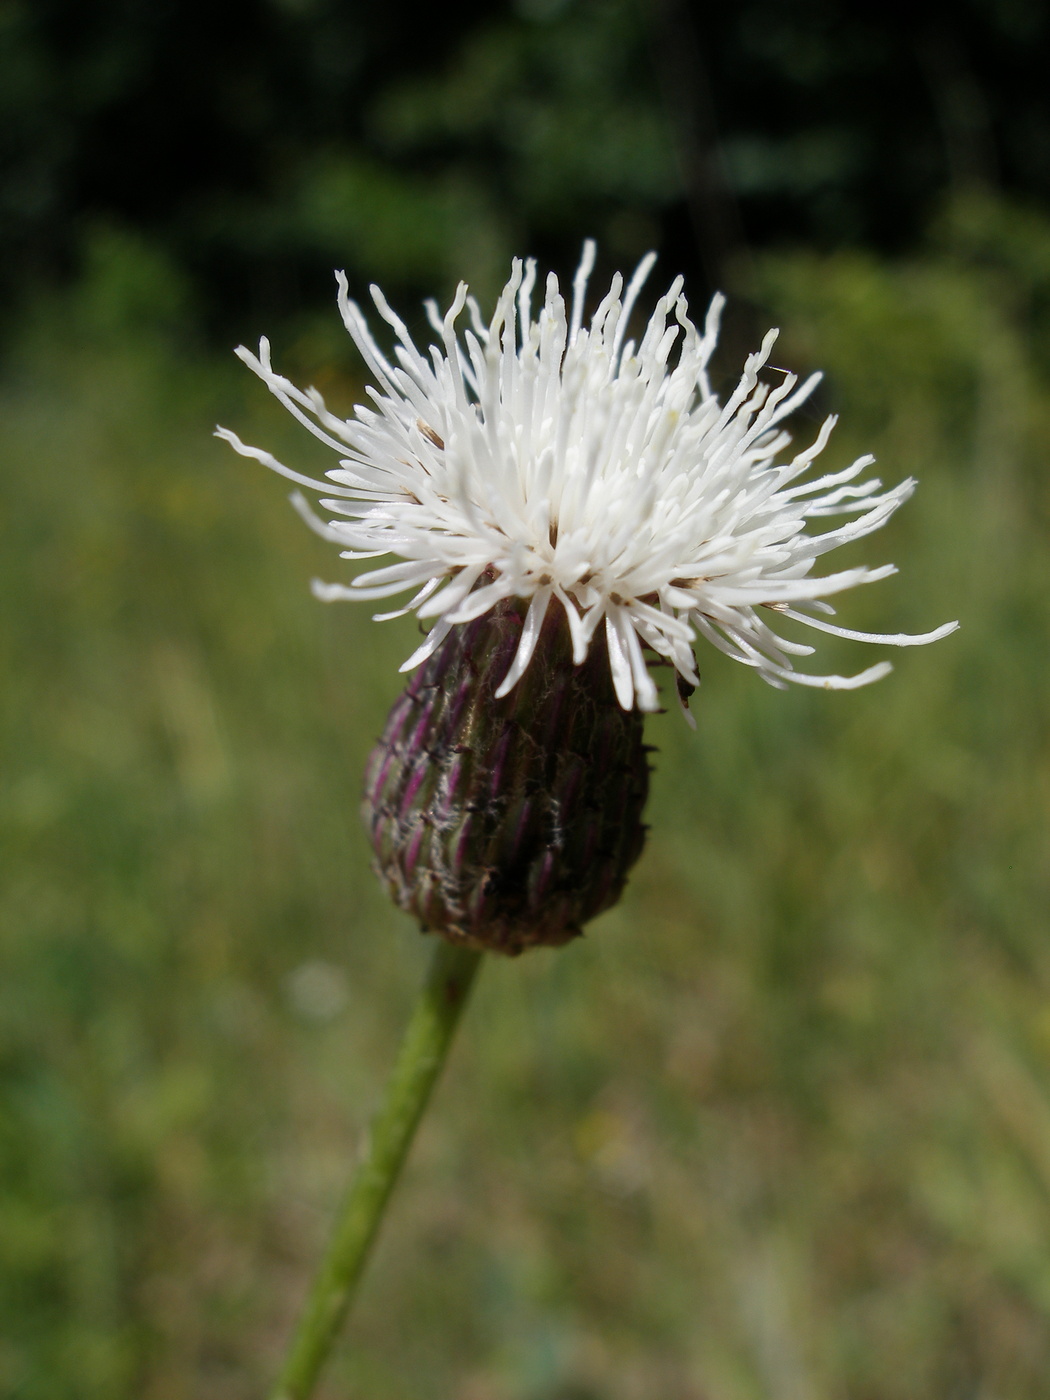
(779, 1127)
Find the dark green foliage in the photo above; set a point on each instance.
(259, 143)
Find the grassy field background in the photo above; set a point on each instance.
(777, 1129)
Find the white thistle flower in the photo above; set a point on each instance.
(539, 458)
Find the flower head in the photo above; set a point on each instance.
(537, 457)
(507, 823)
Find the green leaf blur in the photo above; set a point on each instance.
(779, 1127)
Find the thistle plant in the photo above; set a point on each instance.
(570, 509)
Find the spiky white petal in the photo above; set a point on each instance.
(542, 458)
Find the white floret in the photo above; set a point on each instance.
(540, 458)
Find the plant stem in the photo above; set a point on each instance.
(419, 1062)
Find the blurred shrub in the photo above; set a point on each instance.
(259, 142)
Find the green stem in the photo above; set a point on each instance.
(419, 1062)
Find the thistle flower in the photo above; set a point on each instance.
(540, 458)
(561, 497)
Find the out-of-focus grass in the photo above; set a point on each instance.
(778, 1127)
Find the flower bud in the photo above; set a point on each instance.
(507, 823)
